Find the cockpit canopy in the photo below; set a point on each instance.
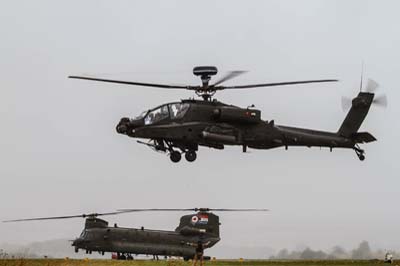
(172, 111)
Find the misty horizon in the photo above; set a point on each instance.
(60, 248)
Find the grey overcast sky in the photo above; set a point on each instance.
(60, 153)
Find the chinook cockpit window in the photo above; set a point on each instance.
(83, 234)
(156, 115)
(178, 110)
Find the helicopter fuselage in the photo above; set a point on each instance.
(181, 127)
(99, 237)
(188, 124)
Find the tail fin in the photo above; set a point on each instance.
(358, 111)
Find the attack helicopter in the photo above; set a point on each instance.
(195, 233)
(181, 127)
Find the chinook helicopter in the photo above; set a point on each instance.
(181, 127)
(195, 233)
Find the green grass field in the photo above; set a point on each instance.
(71, 262)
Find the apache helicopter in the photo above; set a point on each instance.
(194, 233)
(181, 127)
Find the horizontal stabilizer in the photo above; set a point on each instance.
(363, 137)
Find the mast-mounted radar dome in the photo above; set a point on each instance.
(205, 70)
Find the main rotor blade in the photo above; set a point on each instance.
(275, 84)
(154, 210)
(193, 209)
(240, 210)
(228, 76)
(164, 86)
(63, 217)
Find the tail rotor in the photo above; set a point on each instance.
(380, 100)
(371, 87)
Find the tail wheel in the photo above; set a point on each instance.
(175, 156)
(360, 153)
(190, 156)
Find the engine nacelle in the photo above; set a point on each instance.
(239, 115)
(191, 231)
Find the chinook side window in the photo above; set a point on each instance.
(178, 110)
(156, 115)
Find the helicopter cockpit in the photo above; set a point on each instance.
(165, 112)
(171, 110)
(84, 233)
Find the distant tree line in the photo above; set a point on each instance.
(362, 252)
(3, 254)
(14, 255)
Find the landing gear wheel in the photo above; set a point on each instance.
(190, 156)
(360, 153)
(175, 156)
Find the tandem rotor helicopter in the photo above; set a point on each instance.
(194, 233)
(181, 127)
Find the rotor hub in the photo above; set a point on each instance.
(205, 73)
